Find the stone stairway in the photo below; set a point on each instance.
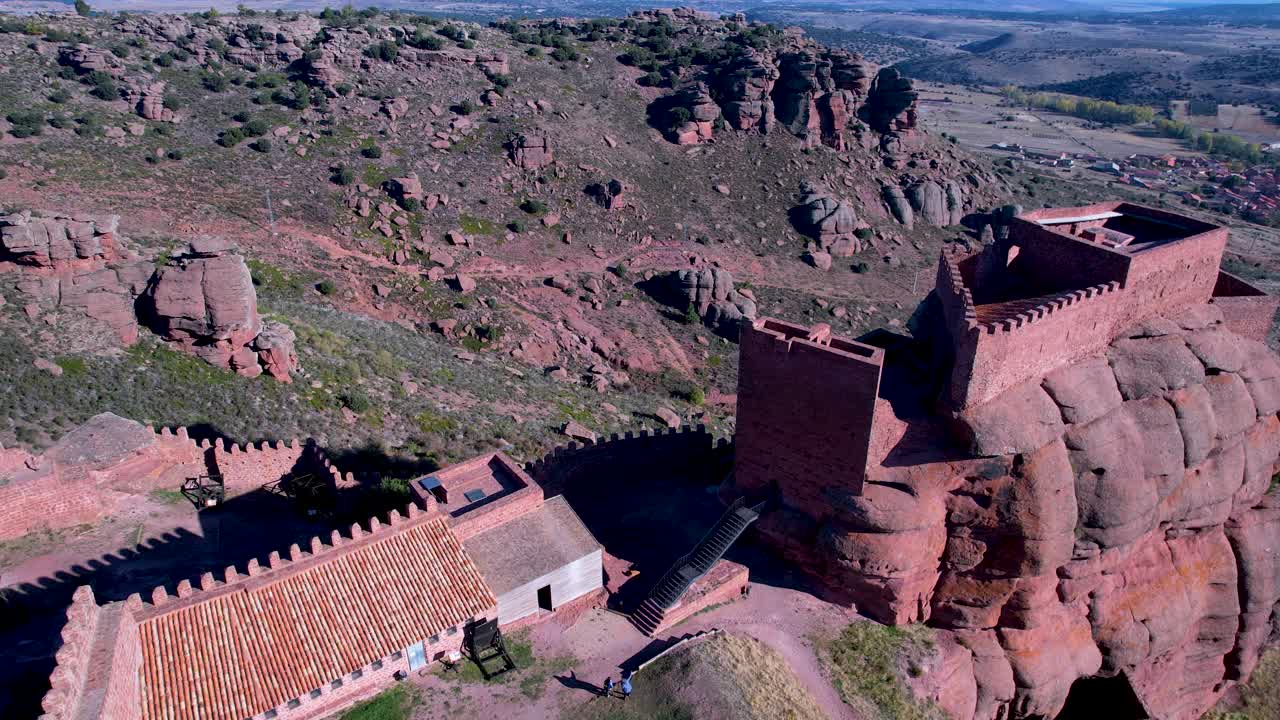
(685, 571)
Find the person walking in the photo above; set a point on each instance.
(608, 687)
(626, 685)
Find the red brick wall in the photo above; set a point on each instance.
(724, 583)
(991, 359)
(124, 693)
(1121, 289)
(245, 468)
(499, 511)
(47, 500)
(805, 414)
(1057, 262)
(684, 446)
(73, 661)
(1247, 310)
(57, 497)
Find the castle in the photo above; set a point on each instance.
(1067, 474)
(1066, 471)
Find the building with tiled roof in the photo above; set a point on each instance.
(304, 636)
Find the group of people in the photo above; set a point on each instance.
(623, 689)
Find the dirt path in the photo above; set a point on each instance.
(601, 641)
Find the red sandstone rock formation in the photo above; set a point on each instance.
(531, 151)
(1111, 518)
(205, 303)
(57, 241)
(830, 221)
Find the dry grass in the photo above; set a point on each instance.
(869, 663)
(1258, 699)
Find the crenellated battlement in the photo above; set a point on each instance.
(1065, 284)
(276, 565)
(72, 662)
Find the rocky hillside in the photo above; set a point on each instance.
(589, 206)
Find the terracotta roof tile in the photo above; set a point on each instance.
(240, 649)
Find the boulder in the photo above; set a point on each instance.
(1149, 366)
(204, 302)
(1084, 391)
(530, 151)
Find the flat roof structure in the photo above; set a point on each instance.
(531, 546)
(468, 485)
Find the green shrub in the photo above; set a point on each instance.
(230, 137)
(344, 175)
(691, 315)
(466, 107)
(861, 267)
(534, 52)
(411, 204)
(564, 54)
(104, 86)
(256, 127)
(385, 51)
(59, 96)
(25, 123)
(453, 32)
(326, 287)
(534, 207)
(356, 401)
(172, 102)
(424, 40)
(372, 152)
(214, 82)
(262, 145)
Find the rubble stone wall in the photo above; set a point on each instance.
(55, 496)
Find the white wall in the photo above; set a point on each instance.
(567, 582)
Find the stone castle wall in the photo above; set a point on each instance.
(994, 356)
(1247, 311)
(688, 445)
(84, 683)
(55, 496)
(805, 411)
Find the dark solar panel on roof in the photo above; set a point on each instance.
(429, 483)
(474, 495)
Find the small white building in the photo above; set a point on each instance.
(538, 561)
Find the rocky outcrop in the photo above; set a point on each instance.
(702, 112)
(891, 104)
(57, 241)
(85, 59)
(609, 195)
(939, 203)
(710, 292)
(1114, 519)
(150, 105)
(204, 302)
(831, 222)
(818, 93)
(742, 87)
(531, 151)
